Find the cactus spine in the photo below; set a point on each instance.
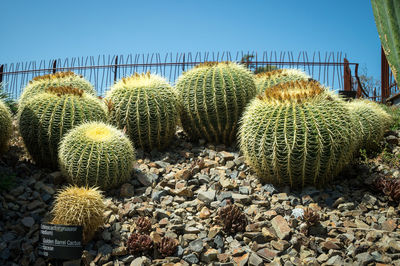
(146, 105)
(39, 84)
(96, 154)
(269, 79)
(297, 134)
(79, 206)
(387, 20)
(5, 126)
(213, 96)
(45, 118)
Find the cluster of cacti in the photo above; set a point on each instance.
(96, 154)
(79, 206)
(146, 106)
(387, 19)
(297, 134)
(5, 126)
(371, 122)
(40, 84)
(269, 79)
(213, 96)
(46, 117)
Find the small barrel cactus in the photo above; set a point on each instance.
(96, 154)
(213, 96)
(79, 206)
(372, 122)
(39, 84)
(44, 119)
(146, 106)
(297, 134)
(269, 79)
(5, 126)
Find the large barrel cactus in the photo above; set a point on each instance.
(372, 122)
(297, 134)
(45, 118)
(96, 154)
(387, 20)
(39, 84)
(269, 79)
(213, 96)
(146, 106)
(5, 126)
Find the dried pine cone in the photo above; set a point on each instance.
(233, 219)
(168, 246)
(389, 186)
(143, 225)
(310, 216)
(139, 244)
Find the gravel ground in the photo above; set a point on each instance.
(181, 190)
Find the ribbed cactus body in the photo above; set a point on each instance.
(39, 84)
(213, 97)
(269, 79)
(297, 134)
(372, 122)
(79, 206)
(5, 126)
(44, 119)
(96, 154)
(146, 106)
(387, 20)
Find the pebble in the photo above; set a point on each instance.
(28, 221)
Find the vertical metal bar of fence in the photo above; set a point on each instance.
(54, 66)
(384, 76)
(115, 69)
(1, 73)
(347, 75)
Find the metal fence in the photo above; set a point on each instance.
(102, 71)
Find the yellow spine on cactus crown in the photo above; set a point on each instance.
(98, 133)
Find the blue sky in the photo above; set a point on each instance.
(33, 30)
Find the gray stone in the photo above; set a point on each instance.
(28, 221)
(191, 258)
(218, 241)
(141, 261)
(224, 195)
(334, 261)
(364, 258)
(346, 206)
(105, 249)
(207, 196)
(369, 199)
(255, 260)
(146, 179)
(270, 188)
(196, 245)
(127, 191)
(156, 195)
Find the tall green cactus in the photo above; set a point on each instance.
(372, 122)
(297, 134)
(39, 84)
(213, 96)
(146, 106)
(387, 20)
(96, 154)
(5, 126)
(45, 118)
(269, 79)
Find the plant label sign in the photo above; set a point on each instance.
(62, 242)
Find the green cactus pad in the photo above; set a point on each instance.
(96, 154)
(213, 96)
(45, 118)
(387, 20)
(39, 84)
(269, 79)
(5, 126)
(145, 105)
(297, 134)
(372, 122)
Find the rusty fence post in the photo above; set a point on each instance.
(54, 66)
(347, 75)
(384, 76)
(115, 69)
(183, 63)
(1, 73)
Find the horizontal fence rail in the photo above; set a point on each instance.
(102, 71)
